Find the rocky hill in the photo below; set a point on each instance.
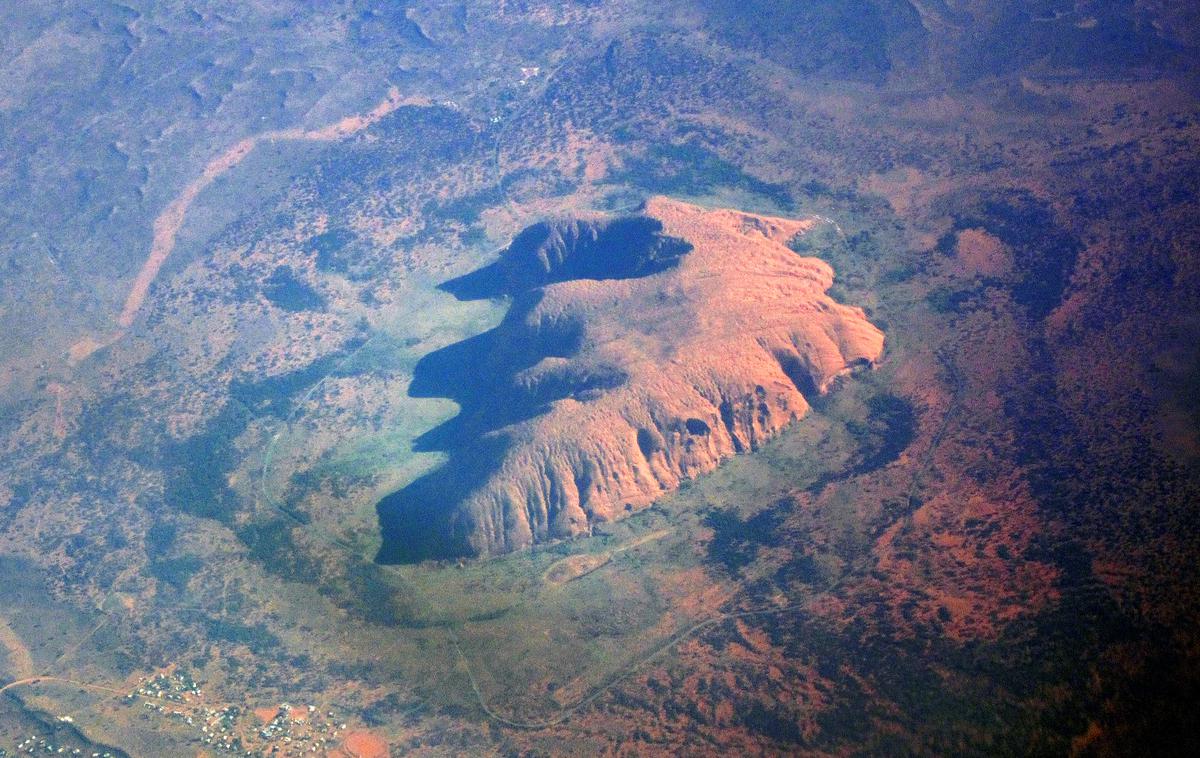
(637, 353)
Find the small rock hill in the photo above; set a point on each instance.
(638, 352)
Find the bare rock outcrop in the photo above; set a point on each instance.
(638, 352)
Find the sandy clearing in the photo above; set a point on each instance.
(267, 714)
(85, 347)
(573, 567)
(365, 745)
(982, 254)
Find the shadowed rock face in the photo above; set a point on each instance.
(637, 353)
(548, 252)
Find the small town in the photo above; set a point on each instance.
(41, 746)
(284, 730)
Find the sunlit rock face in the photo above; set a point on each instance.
(637, 353)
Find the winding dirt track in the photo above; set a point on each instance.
(169, 222)
(574, 566)
(62, 680)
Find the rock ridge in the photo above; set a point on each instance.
(637, 353)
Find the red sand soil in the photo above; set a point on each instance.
(981, 253)
(267, 714)
(364, 745)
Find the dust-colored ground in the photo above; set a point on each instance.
(170, 221)
(574, 566)
(982, 254)
(362, 744)
(266, 714)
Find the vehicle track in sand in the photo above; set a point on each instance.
(576, 566)
(170, 221)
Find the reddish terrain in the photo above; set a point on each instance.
(361, 745)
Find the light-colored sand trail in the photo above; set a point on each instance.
(169, 222)
(575, 566)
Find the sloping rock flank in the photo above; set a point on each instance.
(637, 353)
